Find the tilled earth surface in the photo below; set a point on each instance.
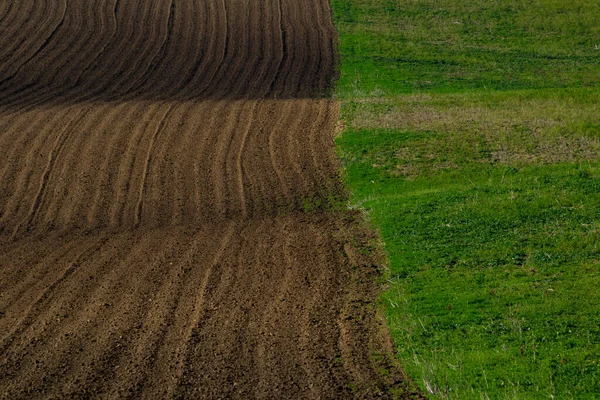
(165, 174)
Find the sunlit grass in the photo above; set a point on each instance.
(472, 141)
(396, 46)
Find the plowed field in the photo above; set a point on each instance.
(165, 171)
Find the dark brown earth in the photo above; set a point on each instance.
(165, 171)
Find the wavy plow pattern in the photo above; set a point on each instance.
(74, 51)
(122, 165)
(165, 232)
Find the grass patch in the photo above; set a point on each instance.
(472, 140)
(396, 46)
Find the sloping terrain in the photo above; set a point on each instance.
(128, 164)
(166, 189)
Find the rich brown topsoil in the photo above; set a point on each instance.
(164, 171)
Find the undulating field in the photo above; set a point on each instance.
(472, 140)
(170, 220)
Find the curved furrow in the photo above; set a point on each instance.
(290, 61)
(104, 291)
(57, 52)
(326, 53)
(317, 322)
(162, 77)
(23, 126)
(169, 182)
(260, 179)
(207, 194)
(165, 285)
(189, 172)
(86, 168)
(236, 163)
(237, 37)
(309, 53)
(301, 80)
(218, 47)
(294, 150)
(203, 41)
(242, 75)
(134, 61)
(284, 158)
(26, 152)
(272, 39)
(179, 188)
(55, 152)
(18, 53)
(328, 72)
(13, 18)
(29, 13)
(148, 164)
(111, 26)
(96, 321)
(271, 47)
(279, 52)
(98, 80)
(274, 328)
(320, 178)
(252, 60)
(263, 281)
(283, 111)
(101, 182)
(29, 316)
(324, 138)
(5, 10)
(173, 80)
(256, 290)
(62, 86)
(198, 374)
(97, 17)
(229, 333)
(264, 329)
(219, 166)
(26, 276)
(233, 332)
(94, 81)
(162, 194)
(65, 180)
(52, 338)
(147, 67)
(112, 318)
(296, 46)
(132, 160)
(74, 179)
(253, 44)
(18, 49)
(319, 138)
(323, 54)
(170, 363)
(330, 39)
(117, 61)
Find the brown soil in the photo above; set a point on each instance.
(165, 173)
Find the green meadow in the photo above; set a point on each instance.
(471, 139)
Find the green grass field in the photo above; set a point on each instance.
(472, 141)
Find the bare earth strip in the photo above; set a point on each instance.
(162, 232)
